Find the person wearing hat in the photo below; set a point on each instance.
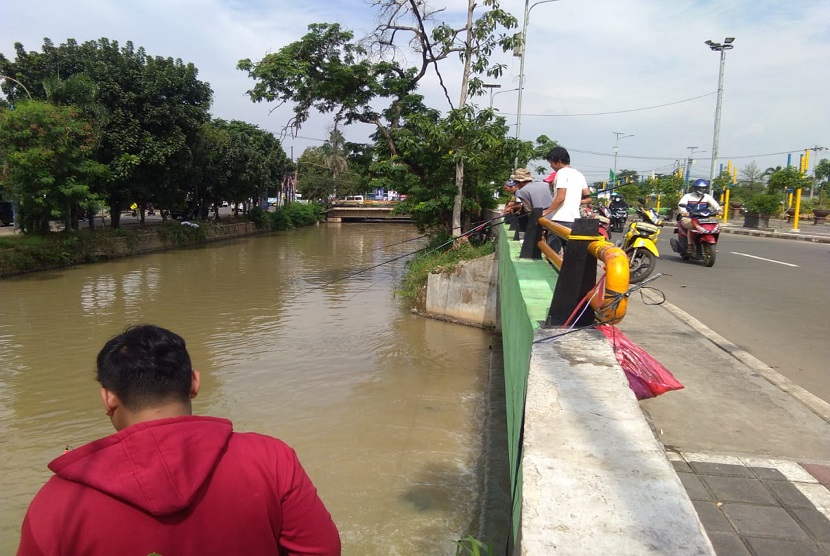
(512, 206)
(532, 194)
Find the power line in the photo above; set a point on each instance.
(617, 111)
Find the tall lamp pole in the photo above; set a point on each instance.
(491, 86)
(617, 136)
(722, 48)
(19, 83)
(522, 52)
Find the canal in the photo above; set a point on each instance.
(390, 413)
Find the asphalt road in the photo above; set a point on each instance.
(768, 296)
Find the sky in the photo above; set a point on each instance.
(634, 74)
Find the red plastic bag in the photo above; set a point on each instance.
(646, 376)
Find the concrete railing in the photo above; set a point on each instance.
(588, 475)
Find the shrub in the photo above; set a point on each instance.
(766, 203)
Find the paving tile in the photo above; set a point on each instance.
(820, 472)
(694, 487)
(788, 494)
(729, 470)
(681, 466)
(782, 547)
(763, 520)
(712, 458)
(768, 473)
(814, 522)
(739, 489)
(818, 495)
(790, 469)
(712, 517)
(728, 544)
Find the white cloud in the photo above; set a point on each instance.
(583, 56)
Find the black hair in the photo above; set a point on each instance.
(145, 366)
(559, 154)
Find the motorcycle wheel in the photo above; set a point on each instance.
(708, 252)
(641, 265)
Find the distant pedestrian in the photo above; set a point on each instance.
(168, 482)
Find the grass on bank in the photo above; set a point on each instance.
(445, 258)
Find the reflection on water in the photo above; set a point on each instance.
(384, 408)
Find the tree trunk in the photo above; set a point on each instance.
(459, 166)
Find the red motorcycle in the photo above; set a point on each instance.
(704, 235)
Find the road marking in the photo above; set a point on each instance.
(763, 259)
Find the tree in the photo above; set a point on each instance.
(334, 156)
(822, 176)
(786, 179)
(751, 174)
(46, 152)
(154, 106)
(327, 72)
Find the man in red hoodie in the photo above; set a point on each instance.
(168, 482)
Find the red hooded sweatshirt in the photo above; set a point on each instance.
(186, 485)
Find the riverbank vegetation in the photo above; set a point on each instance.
(23, 253)
(438, 257)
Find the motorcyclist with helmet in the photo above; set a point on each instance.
(699, 195)
(617, 202)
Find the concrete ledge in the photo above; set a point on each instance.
(596, 480)
(468, 294)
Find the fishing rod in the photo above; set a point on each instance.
(427, 235)
(436, 248)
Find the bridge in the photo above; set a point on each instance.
(366, 211)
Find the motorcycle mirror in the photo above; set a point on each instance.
(641, 200)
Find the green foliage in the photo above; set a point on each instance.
(179, 234)
(766, 203)
(786, 178)
(47, 150)
(292, 215)
(470, 546)
(446, 165)
(822, 177)
(432, 258)
(148, 111)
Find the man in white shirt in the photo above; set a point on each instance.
(569, 189)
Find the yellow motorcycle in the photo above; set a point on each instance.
(640, 244)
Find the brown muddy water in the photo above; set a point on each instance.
(395, 417)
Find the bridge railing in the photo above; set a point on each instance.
(579, 298)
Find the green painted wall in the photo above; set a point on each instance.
(525, 291)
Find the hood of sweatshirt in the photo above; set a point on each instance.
(158, 466)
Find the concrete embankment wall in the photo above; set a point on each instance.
(587, 473)
(466, 294)
(147, 241)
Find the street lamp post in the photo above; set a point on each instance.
(19, 83)
(722, 48)
(617, 136)
(522, 52)
(491, 86)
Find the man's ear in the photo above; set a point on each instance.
(195, 383)
(110, 401)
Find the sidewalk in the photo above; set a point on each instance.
(807, 231)
(751, 448)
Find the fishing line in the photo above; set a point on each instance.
(355, 273)
(427, 235)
